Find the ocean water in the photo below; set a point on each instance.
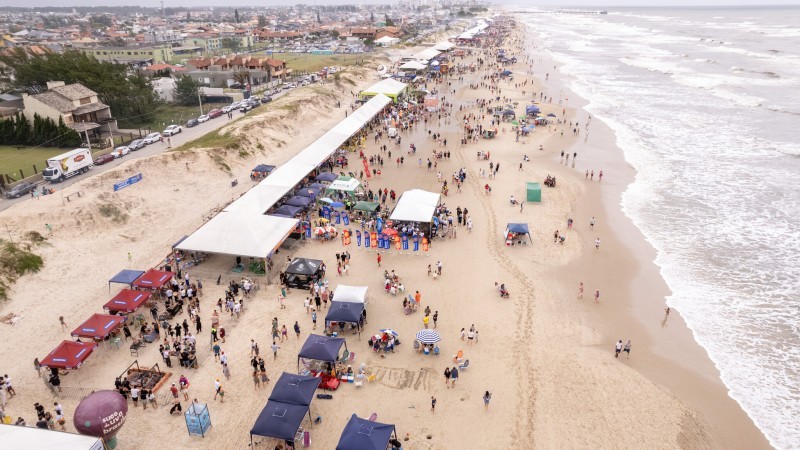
(705, 104)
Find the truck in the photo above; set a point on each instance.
(66, 165)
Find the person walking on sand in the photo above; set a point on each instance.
(379, 259)
(591, 223)
(580, 290)
(618, 348)
(627, 349)
(487, 397)
(597, 245)
(600, 176)
(63, 324)
(433, 404)
(597, 295)
(447, 377)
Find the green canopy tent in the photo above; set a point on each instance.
(534, 192)
(366, 206)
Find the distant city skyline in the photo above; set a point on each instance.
(253, 3)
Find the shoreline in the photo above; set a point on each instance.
(671, 357)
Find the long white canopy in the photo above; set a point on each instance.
(416, 205)
(387, 86)
(241, 234)
(351, 294)
(258, 199)
(30, 437)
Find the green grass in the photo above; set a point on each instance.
(13, 159)
(304, 62)
(211, 140)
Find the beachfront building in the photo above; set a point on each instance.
(224, 70)
(75, 104)
(135, 55)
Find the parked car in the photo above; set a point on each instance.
(203, 118)
(214, 113)
(151, 138)
(227, 109)
(266, 99)
(20, 189)
(192, 123)
(119, 152)
(246, 107)
(172, 130)
(102, 159)
(138, 144)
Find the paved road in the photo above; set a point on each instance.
(188, 134)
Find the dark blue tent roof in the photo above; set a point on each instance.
(530, 108)
(326, 176)
(321, 348)
(288, 210)
(521, 228)
(294, 389)
(263, 168)
(309, 192)
(317, 186)
(298, 201)
(279, 420)
(344, 312)
(361, 434)
(125, 277)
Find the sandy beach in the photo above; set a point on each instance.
(546, 356)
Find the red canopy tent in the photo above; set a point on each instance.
(153, 279)
(69, 355)
(127, 300)
(99, 326)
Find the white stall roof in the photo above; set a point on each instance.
(13, 436)
(387, 86)
(348, 185)
(444, 46)
(416, 205)
(352, 294)
(258, 199)
(427, 54)
(413, 65)
(288, 174)
(241, 234)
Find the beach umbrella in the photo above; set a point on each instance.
(514, 122)
(389, 331)
(337, 204)
(427, 336)
(551, 115)
(319, 231)
(330, 229)
(326, 200)
(389, 231)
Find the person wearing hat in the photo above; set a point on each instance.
(217, 386)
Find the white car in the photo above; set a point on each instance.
(227, 109)
(203, 118)
(152, 137)
(119, 152)
(172, 130)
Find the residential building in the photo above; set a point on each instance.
(221, 71)
(77, 105)
(139, 55)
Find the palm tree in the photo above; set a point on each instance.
(242, 77)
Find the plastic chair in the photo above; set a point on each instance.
(458, 357)
(464, 366)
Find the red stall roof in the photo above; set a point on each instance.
(69, 355)
(127, 300)
(99, 326)
(153, 279)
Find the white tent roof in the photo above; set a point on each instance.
(387, 40)
(13, 436)
(242, 233)
(258, 199)
(444, 46)
(427, 54)
(352, 294)
(413, 65)
(387, 86)
(289, 174)
(416, 205)
(344, 185)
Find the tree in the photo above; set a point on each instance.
(187, 91)
(318, 19)
(188, 15)
(389, 22)
(242, 77)
(335, 34)
(262, 21)
(372, 18)
(236, 15)
(231, 43)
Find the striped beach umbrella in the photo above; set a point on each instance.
(428, 336)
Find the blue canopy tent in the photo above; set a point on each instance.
(298, 201)
(517, 229)
(263, 168)
(532, 110)
(505, 73)
(326, 176)
(279, 420)
(317, 186)
(294, 389)
(310, 192)
(361, 434)
(125, 277)
(321, 348)
(347, 312)
(287, 211)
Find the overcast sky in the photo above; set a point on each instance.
(228, 3)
